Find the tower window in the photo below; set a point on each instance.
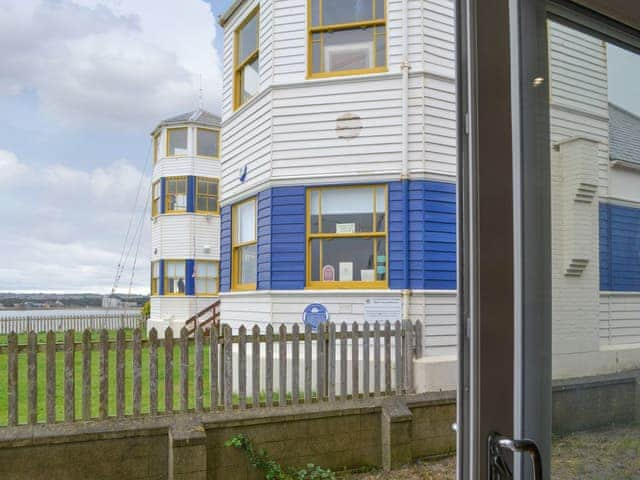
(245, 246)
(177, 141)
(156, 147)
(155, 277)
(174, 277)
(207, 143)
(347, 37)
(246, 61)
(206, 277)
(206, 195)
(155, 199)
(176, 195)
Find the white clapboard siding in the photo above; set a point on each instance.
(619, 318)
(177, 309)
(438, 42)
(246, 140)
(579, 102)
(438, 313)
(440, 149)
(179, 166)
(290, 55)
(185, 236)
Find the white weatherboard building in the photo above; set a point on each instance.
(339, 170)
(185, 227)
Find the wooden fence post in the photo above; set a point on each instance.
(153, 371)
(242, 367)
(13, 379)
(120, 373)
(184, 370)
(137, 371)
(168, 370)
(255, 361)
(69, 378)
(32, 372)
(104, 374)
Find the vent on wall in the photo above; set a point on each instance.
(586, 192)
(576, 267)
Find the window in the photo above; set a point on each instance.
(206, 195)
(156, 147)
(176, 195)
(177, 142)
(347, 237)
(155, 277)
(207, 142)
(206, 277)
(246, 59)
(174, 277)
(245, 246)
(346, 37)
(155, 199)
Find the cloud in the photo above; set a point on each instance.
(109, 62)
(11, 170)
(63, 227)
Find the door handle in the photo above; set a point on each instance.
(498, 466)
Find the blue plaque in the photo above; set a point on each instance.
(315, 314)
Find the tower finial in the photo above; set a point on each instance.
(200, 94)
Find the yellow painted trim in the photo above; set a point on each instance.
(217, 196)
(155, 147)
(373, 23)
(167, 211)
(219, 142)
(238, 65)
(155, 281)
(165, 281)
(374, 235)
(195, 278)
(154, 209)
(235, 263)
(166, 141)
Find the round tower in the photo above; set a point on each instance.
(185, 225)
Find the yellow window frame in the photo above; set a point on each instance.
(165, 278)
(155, 147)
(168, 139)
(374, 23)
(207, 195)
(238, 63)
(155, 280)
(214, 130)
(374, 235)
(196, 277)
(236, 246)
(155, 206)
(168, 210)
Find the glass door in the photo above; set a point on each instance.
(550, 200)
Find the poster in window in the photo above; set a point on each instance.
(367, 275)
(346, 271)
(345, 228)
(328, 273)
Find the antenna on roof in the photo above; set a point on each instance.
(200, 94)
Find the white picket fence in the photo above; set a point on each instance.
(59, 323)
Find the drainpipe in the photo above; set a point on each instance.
(404, 177)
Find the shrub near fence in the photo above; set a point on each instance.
(70, 380)
(59, 323)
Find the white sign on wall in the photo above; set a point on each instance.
(378, 309)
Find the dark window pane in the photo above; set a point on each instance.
(177, 141)
(348, 50)
(346, 11)
(351, 258)
(207, 142)
(248, 39)
(249, 80)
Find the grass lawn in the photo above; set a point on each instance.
(95, 394)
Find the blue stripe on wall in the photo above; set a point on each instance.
(225, 249)
(191, 193)
(163, 187)
(161, 278)
(432, 235)
(288, 238)
(264, 240)
(189, 284)
(619, 248)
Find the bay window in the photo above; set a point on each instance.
(346, 37)
(206, 277)
(177, 142)
(176, 195)
(207, 142)
(246, 59)
(206, 195)
(347, 237)
(245, 246)
(174, 277)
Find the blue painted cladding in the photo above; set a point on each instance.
(619, 248)
(163, 186)
(264, 240)
(161, 278)
(191, 193)
(288, 224)
(189, 284)
(225, 249)
(432, 235)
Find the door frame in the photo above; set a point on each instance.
(504, 215)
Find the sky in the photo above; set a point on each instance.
(82, 84)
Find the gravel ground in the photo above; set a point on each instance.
(597, 455)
